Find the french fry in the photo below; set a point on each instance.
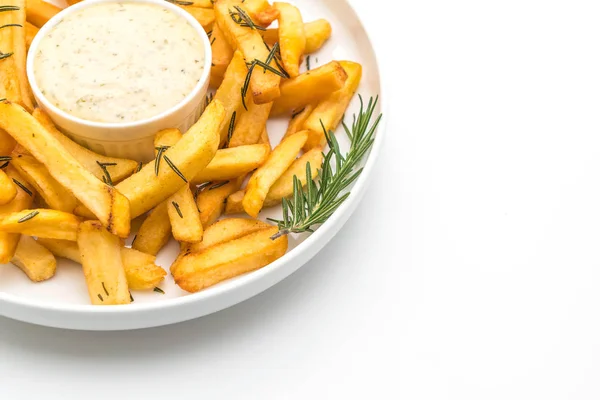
(177, 165)
(111, 207)
(231, 163)
(36, 174)
(250, 124)
(292, 39)
(316, 33)
(298, 119)
(23, 200)
(30, 32)
(71, 2)
(155, 231)
(166, 138)
(8, 189)
(39, 12)
(264, 139)
(263, 178)
(222, 56)
(264, 86)
(230, 92)
(14, 85)
(7, 143)
(310, 87)
(91, 161)
(234, 203)
(35, 260)
(329, 112)
(205, 16)
(261, 11)
(184, 216)
(225, 230)
(41, 222)
(100, 253)
(140, 269)
(196, 271)
(211, 201)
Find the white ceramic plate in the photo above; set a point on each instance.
(63, 301)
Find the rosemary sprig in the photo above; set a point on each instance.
(23, 187)
(28, 217)
(247, 84)
(174, 168)
(240, 17)
(314, 204)
(106, 178)
(176, 205)
(161, 150)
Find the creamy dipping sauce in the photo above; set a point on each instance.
(119, 62)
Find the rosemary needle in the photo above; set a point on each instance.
(176, 205)
(28, 217)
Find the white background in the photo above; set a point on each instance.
(470, 271)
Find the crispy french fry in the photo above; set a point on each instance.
(205, 16)
(35, 260)
(211, 201)
(35, 173)
(23, 200)
(166, 138)
(184, 216)
(225, 230)
(291, 37)
(329, 112)
(14, 85)
(298, 119)
(264, 139)
(222, 56)
(41, 222)
(264, 86)
(229, 93)
(100, 253)
(71, 2)
(231, 163)
(39, 12)
(234, 203)
(104, 201)
(261, 11)
(250, 124)
(196, 271)
(177, 165)
(91, 161)
(310, 87)
(8, 189)
(140, 269)
(7, 143)
(155, 231)
(30, 32)
(263, 178)
(316, 33)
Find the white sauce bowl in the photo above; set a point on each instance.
(133, 140)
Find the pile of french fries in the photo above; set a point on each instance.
(59, 199)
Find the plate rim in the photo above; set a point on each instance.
(321, 234)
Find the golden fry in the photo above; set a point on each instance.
(87, 158)
(8, 189)
(14, 85)
(292, 39)
(316, 33)
(205, 16)
(30, 32)
(225, 230)
(36, 174)
(104, 201)
(261, 11)
(309, 88)
(23, 200)
(41, 222)
(222, 55)
(264, 86)
(7, 143)
(264, 139)
(211, 201)
(177, 165)
(298, 119)
(263, 178)
(155, 231)
(232, 163)
(39, 12)
(234, 203)
(100, 253)
(330, 111)
(166, 138)
(184, 216)
(140, 269)
(250, 124)
(35, 260)
(230, 92)
(196, 271)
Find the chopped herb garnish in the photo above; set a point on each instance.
(100, 297)
(175, 169)
(242, 19)
(106, 178)
(28, 217)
